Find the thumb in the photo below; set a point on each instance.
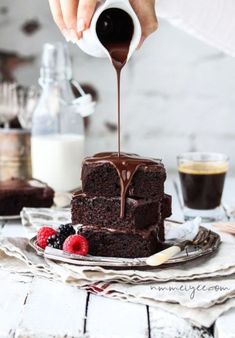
(145, 10)
(86, 10)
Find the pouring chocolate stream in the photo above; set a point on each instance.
(115, 31)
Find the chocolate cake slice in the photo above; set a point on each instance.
(105, 212)
(122, 205)
(129, 244)
(102, 179)
(166, 208)
(17, 193)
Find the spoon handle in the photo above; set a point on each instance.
(163, 256)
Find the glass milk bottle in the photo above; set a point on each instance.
(57, 145)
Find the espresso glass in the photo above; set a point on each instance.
(202, 177)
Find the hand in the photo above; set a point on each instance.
(74, 16)
(145, 10)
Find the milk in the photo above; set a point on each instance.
(57, 160)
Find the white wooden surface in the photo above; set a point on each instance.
(41, 309)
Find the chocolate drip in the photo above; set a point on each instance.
(115, 30)
(126, 166)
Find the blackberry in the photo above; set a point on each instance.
(65, 230)
(56, 241)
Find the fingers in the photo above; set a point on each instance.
(86, 10)
(69, 10)
(145, 10)
(58, 17)
(72, 16)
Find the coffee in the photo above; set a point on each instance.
(115, 30)
(202, 184)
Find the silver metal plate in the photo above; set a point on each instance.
(209, 246)
(9, 218)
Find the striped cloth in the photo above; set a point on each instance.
(209, 20)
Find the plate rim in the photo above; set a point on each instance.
(9, 217)
(122, 263)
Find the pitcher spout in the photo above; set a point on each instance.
(90, 42)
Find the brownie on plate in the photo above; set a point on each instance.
(115, 243)
(17, 193)
(104, 211)
(122, 205)
(166, 206)
(101, 179)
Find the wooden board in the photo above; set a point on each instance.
(225, 325)
(12, 297)
(52, 309)
(112, 318)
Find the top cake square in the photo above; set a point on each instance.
(101, 179)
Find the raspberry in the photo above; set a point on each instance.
(43, 234)
(76, 244)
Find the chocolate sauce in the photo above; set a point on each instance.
(126, 166)
(115, 30)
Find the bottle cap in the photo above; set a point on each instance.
(56, 63)
(83, 105)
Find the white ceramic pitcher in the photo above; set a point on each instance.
(90, 42)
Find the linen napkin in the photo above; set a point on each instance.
(188, 289)
(201, 302)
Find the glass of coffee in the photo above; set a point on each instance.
(202, 177)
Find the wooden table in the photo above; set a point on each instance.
(40, 308)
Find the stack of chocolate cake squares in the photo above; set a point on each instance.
(140, 232)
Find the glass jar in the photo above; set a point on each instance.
(57, 145)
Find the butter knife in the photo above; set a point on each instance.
(164, 255)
